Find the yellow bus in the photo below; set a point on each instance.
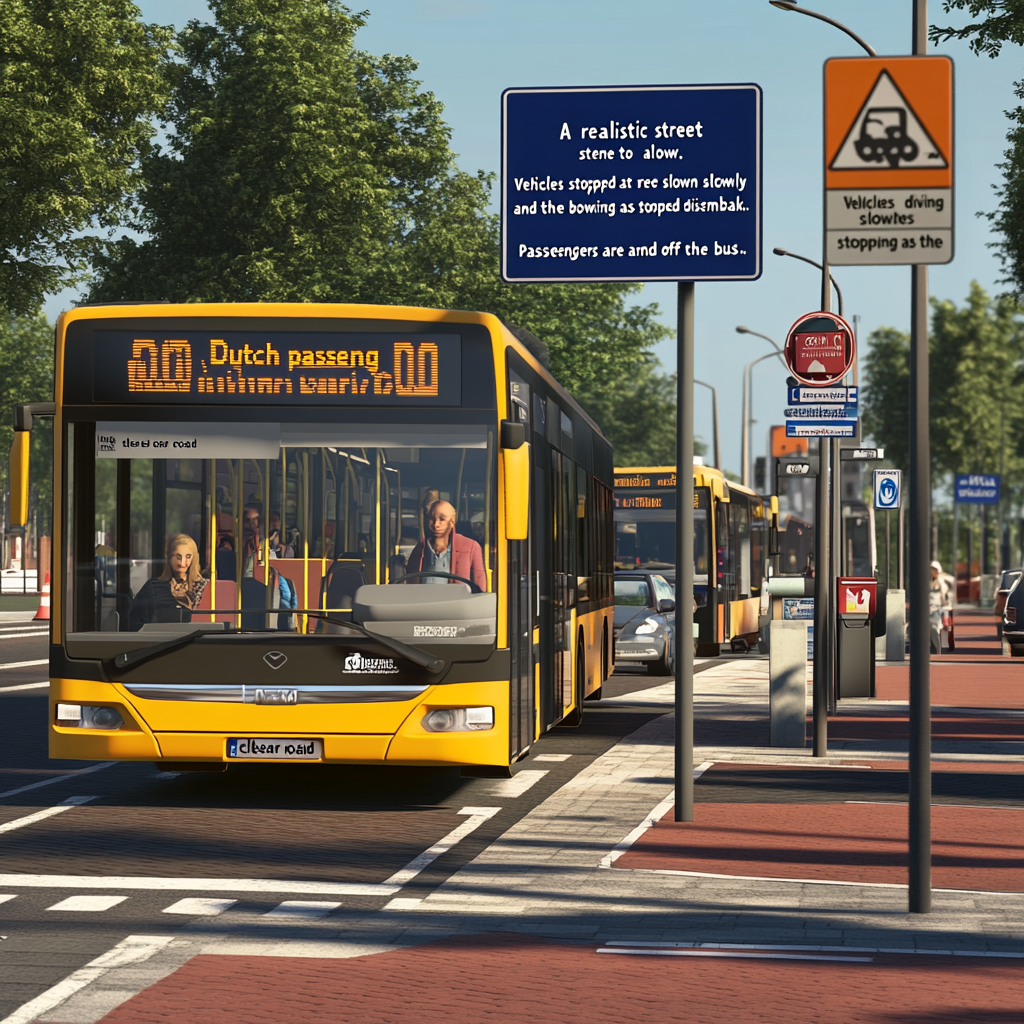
(333, 533)
(733, 537)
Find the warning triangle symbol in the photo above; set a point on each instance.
(886, 135)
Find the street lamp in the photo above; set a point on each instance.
(789, 5)
(714, 423)
(748, 393)
(745, 424)
(813, 263)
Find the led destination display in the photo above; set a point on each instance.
(257, 368)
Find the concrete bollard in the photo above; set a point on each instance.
(787, 691)
(895, 625)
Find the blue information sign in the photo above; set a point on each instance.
(978, 488)
(638, 183)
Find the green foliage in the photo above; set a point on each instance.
(78, 83)
(26, 375)
(997, 22)
(300, 168)
(976, 389)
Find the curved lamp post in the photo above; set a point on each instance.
(745, 425)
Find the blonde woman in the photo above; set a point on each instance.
(177, 593)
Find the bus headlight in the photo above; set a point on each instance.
(88, 716)
(458, 719)
(647, 626)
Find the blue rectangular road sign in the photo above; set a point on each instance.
(637, 183)
(887, 485)
(977, 488)
(821, 428)
(839, 394)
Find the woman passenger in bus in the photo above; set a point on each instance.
(446, 551)
(177, 593)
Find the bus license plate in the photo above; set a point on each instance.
(259, 748)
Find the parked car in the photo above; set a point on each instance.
(1013, 619)
(1006, 581)
(645, 607)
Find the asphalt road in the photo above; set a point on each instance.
(143, 836)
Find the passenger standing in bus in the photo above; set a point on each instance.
(445, 551)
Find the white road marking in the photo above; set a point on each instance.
(812, 948)
(145, 882)
(404, 903)
(5, 897)
(736, 955)
(304, 910)
(552, 757)
(25, 664)
(477, 816)
(200, 906)
(132, 950)
(88, 904)
(31, 819)
(518, 784)
(25, 632)
(25, 686)
(652, 819)
(59, 778)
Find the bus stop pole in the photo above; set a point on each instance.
(684, 553)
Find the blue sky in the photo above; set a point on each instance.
(470, 50)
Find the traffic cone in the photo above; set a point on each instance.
(43, 614)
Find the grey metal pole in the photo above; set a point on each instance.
(684, 552)
(716, 450)
(821, 603)
(744, 433)
(920, 875)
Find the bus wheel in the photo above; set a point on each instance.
(575, 717)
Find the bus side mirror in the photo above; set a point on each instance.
(19, 477)
(515, 458)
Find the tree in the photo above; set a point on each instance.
(1001, 21)
(299, 168)
(78, 83)
(976, 389)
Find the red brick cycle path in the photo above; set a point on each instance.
(972, 847)
(471, 979)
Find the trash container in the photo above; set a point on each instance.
(855, 607)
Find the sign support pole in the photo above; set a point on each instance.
(822, 570)
(684, 551)
(920, 887)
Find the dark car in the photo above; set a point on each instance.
(1013, 619)
(645, 607)
(1006, 581)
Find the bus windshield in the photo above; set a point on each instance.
(283, 527)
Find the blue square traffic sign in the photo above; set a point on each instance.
(637, 183)
(887, 487)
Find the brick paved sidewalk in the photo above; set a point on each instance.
(466, 980)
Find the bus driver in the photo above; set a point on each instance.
(446, 551)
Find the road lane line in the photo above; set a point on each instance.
(199, 906)
(303, 910)
(145, 882)
(60, 778)
(517, 785)
(652, 819)
(27, 632)
(24, 664)
(88, 904)
(133, 950)
(25, 686)
(477, 816)
(31, 819)
(4, 897)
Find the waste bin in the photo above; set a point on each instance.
(855, 607)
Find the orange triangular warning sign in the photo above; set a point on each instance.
(887, 135)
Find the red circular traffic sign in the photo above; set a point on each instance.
(820, 349)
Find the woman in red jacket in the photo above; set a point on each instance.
(444, 550)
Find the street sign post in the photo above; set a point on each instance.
(888, 160)
(639, 183)
(977, 488)
(820, 349)
(887, 487)
(636, 183)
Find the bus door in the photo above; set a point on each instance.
(543, 583)
(705, 589)
(563, 537)
(725, 557)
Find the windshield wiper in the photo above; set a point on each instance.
(413, 654)
(131, 658)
